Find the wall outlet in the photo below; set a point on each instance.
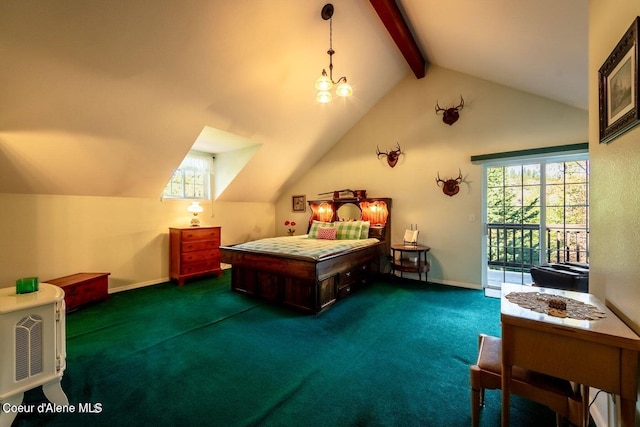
(472, 217)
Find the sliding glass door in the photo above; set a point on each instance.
(535, 212)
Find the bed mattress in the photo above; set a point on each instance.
(304, 246)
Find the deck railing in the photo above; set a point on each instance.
(516, 247)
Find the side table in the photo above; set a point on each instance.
(33, 351)
(602, 353)
(416, 262)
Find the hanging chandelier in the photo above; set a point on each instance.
(325, 82)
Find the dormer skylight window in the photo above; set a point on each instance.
(192, 178)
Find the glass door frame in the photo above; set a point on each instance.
(542, 160)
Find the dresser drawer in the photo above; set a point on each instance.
(344, 291)
(347, 278)
(363, 270)
(199, 246)
(194, 234)
(200, 267)
(353, 275)
(190, 257)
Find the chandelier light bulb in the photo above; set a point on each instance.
(323, 97)
(324, 82)
(344, 89)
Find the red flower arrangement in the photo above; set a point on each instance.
(290, 226)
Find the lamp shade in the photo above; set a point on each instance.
(325, 212)
(195, 207)
(376, 212)
(323, 97)
(324, 82)
(344, 89)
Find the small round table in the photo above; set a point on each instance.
(411, 264)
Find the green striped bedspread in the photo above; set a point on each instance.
(303, 246)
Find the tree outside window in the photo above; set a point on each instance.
(514, 213)
(191, 179)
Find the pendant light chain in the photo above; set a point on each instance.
(331, 51)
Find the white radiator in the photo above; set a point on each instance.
(33, 346)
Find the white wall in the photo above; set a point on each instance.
(615, 237)
(494, 119)
(52, 236)
(615, 170)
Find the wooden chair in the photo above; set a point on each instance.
(556, 393)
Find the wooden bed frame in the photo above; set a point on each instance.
(311, 285)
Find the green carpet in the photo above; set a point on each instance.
(395, 353)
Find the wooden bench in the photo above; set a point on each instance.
(82, 288)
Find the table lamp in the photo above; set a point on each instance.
(195, 209)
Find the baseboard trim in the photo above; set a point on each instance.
(457, 284)
(138, 285)
(150, 282)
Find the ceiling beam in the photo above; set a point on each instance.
(392, 18)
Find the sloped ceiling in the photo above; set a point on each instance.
(105, 98)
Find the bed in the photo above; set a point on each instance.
(311, 274)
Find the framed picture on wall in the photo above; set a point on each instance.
(299, 203)
(618, 87)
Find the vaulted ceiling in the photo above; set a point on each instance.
(105, 98)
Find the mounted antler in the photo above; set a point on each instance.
(450, 187)
(392, 155)
(451, 115)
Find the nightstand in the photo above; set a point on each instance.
(410, 259)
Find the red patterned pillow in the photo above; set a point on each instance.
(327, 233)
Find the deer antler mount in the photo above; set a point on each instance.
(391, 155)
(452, 114)
(450, 187)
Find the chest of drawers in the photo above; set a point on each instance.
(193, 252)
(83, 288)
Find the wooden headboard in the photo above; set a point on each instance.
(375, 210)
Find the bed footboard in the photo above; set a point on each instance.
(305, 285)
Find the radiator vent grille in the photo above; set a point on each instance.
(29, 357)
